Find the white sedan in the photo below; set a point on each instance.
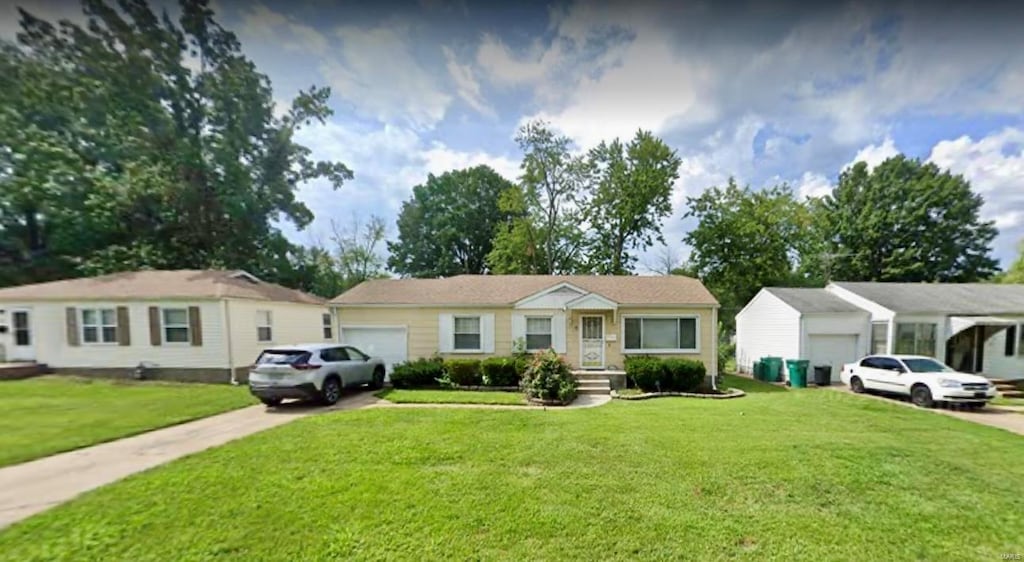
(925, 380)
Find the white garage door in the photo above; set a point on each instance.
(831, 350)
(387, 343)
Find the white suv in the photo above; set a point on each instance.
(312, 372)
(925, 380)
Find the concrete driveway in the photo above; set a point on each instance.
(995, 416)
(31, 487)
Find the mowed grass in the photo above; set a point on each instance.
(797, 475)
(403, 396)
(47, 415)
(1002, 401)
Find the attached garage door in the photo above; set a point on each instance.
(831, 350)
(387, 343)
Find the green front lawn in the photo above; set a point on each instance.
(401, 396)
(1001, 401)
(800, 475)
(47, 415)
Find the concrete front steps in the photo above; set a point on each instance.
(1008, 388)
(593, 382)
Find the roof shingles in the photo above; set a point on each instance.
(503, 290)
(160, 284)
(812, 300)
(942, 298)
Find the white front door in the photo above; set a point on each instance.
(22, 344)
(592, 342)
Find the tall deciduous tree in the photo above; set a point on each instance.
(358, 250)
(554, 185)
(447, 227)
(744, 240)
(905, 221)
(140, 141)
(1015, 274)
(632, 195)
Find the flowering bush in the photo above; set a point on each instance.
(547, 377)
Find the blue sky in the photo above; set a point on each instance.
(766, 93)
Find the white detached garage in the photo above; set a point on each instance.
(810, 324)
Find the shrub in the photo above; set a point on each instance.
(683, 375)
(421, 372)
(500, 371)
(463, 372)
(647, 373)
(547, 377)
(652, 374)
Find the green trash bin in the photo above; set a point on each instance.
(797, 372)
(772, 368)
(758, 371)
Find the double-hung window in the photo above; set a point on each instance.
(328, 326)
(665, 334)
(879, 337)
(915, 339)
(264, 326)
(467, 333)
(99, 325)
(538, 333)
(175, 325)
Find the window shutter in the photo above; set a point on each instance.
(1011, 339)
(518, 327)
(154, 326)
(124, 329)
(487, 332)
(195, 325)
(71, 321)
(558, 332)
(445, 332)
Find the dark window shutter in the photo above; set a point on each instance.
(195, 325)
(154, 326)
(71, 321)
(1011, 339)
(124, 328)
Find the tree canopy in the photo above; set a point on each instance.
(744, 240)
(142, 141)
(448, 225)
(1015, 274)
(905, 220)
(632, 194)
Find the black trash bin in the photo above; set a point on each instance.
(822, 375)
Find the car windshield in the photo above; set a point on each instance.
(926, 366)
(282, 357)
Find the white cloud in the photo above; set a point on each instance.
(507, 68)
(387, 162)
(262, 25)
(813, 185)
(995, 167)
(466, 83)
(440, 158)
(376, 70)
(875, 154)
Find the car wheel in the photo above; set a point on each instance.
(857, 385)
(271, 402)
(330, 392)
(921, 396)
(378, 379)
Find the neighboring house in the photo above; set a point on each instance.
(973, 327)
(182, 325)
(593, 321)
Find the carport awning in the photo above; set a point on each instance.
(961, 323)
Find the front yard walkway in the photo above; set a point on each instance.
(34, 486)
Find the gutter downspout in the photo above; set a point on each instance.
(227, 328)
(714, 348)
